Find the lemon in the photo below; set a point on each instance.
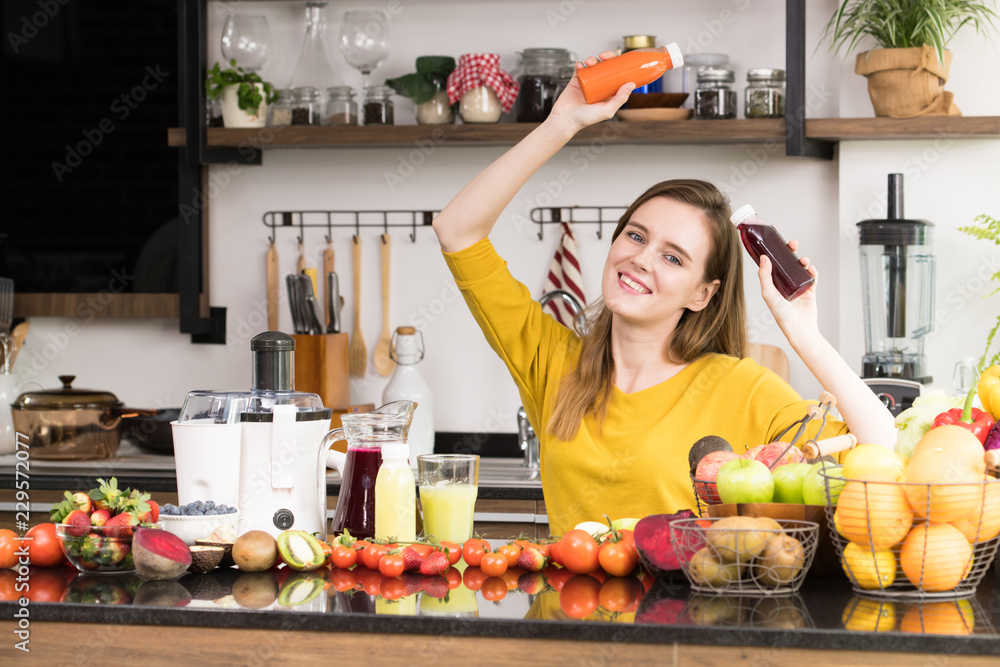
(869, 615)
(873, 463)
(869, 569)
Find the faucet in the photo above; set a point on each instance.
(574, 305)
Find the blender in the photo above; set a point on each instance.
(897, 283)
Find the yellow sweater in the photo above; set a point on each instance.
(636, 463)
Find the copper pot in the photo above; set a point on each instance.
(71, 424)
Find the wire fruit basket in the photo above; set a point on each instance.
(744, 555)
(786, 612)
(906, 540)
(956, 617)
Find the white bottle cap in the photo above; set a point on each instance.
(396, 450)
(676, 57)
(742, 213)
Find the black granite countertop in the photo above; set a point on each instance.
(823, 615)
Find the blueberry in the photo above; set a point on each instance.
(210, 505)
(232, 510)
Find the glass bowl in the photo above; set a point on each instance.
(90, 550)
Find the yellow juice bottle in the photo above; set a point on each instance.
(448, 510)
(395, 496)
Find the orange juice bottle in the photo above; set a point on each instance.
(641, 66)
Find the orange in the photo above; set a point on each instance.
(951, 617)
(943, 475)
(935, 557)
(873, 513)
(873, 463)
(983, 525)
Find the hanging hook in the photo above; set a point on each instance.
(357, 225)
(413, 232)
(302, 232)
(385, 224)
(600, 226)
(329, 229)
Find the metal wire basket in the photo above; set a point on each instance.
(921, 541)
(786, 612)
(746, 557)
(963, 616)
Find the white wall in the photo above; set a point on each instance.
(148, 363)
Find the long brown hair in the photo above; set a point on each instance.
(718, 328)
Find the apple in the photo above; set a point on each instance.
(708, 470)
(788, 482)
(774, 454)
(745, 481)
(624, 524)
(814, 483)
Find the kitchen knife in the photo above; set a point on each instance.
(333, 302)
(310, 306)
(327, 270)
(293, 302)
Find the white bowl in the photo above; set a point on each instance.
(191, 528)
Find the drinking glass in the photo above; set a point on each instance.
(364, 40)
(449, 484)
(247, 38)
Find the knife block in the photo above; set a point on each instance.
(321, 367)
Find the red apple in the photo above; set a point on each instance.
(774, 454)
(707, 471)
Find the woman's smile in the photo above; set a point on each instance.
(633, 284)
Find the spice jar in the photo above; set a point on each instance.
(537, 73)
(378, 105)
(341, 109)
(483, 90)
(714, 97)
(437, 110)
(280, 113)
(765, 93)
(307, 106)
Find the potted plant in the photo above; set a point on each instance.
(427, 88)
(907, 73)
(245, 95)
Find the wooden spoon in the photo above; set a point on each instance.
(18, 335)
(357, 352)
(271, 278)
(383, 362)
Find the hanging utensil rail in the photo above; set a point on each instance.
(577, 215)
(353, 219)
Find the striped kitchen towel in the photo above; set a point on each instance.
(564, 274)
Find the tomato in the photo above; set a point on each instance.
(494, 589)
(372, 554)
(556, 577)
(454, 551)
(620, 594)
(579, 552)
(454, 578)
(423, 549)
(543, 549)
(361, 544)
(391, 565)
(327, 552)
(344, 580)
(494, 564)
(344, 557)
(8, 546)
(580, 595)
(647, 580)
(473, 578)
(8, 586)
(511, 552)
(555, 552)
(44, 549)
(473, 551)
(511, 576)
(617, 558)
(45, 585)
(392, 589)
(371, 581)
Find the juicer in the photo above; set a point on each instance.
(897, 285)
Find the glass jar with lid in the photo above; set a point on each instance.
(341, 109)
(279, 113)
(765, 93)
(437, 110)
(538, 72)
(307, 106)
(480, 105)
(378, 108)
(715, 97)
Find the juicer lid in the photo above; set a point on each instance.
(895, 232)
(308, 407)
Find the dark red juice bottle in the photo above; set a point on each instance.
(790, 278)
(356, 501)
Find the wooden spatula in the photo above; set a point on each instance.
(357, 352)
(271, 278)
(383, 362)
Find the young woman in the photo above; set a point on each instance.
(663, 362)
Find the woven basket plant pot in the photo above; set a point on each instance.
(904, 83)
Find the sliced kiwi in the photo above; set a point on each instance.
(300, 550)
(301, 588)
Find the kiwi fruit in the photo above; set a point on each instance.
(707, 570)
(780, 562)
(255, 551)
(255, 590)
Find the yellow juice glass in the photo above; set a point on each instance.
(448, 490)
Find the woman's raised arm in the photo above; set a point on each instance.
(470, 216)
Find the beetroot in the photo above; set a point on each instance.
(652, 541)
(993, 438)
(159, 554)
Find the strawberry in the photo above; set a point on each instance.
(72, 501)
(436, 586)
(531, 583)
(79, 523)
(436, 563)
(120, 525)
(82, 502)
(412, 561)
(531, 559)
(153, 515)
(413, 582)
(99, 517)
(107, 496)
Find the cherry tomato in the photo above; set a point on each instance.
(580, 595)
(327, 553)
(543, 549)
(361, 544)
(392, 589)
(344, 557)
(599, 574)
(454, 578)
(8, 586)
(579, 552)
(344, 580)
(494, 589)
(422, 549)
(372, 554)
(511, 576)
(494, 564)
(620, 594)
(555, 552)
(45, 585)
(454, 551)
(371, 581)
(44, 549)
(556, 577)
(473, 551)
(473, 578)
(617, 558)
(511, 552)
(391, 565)
(7, 548)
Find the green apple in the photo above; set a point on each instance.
(745, 481)
(815, 482)
(624, 524)
(788, 482)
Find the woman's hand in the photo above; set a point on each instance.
(573, 109)
(796, 318)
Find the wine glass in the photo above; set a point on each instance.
(364, 40)
(247, 38)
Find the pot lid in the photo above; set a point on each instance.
(66, 398)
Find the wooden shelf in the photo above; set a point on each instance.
(28, 304)
(620, 132)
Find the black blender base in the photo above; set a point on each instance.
(897, 394)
